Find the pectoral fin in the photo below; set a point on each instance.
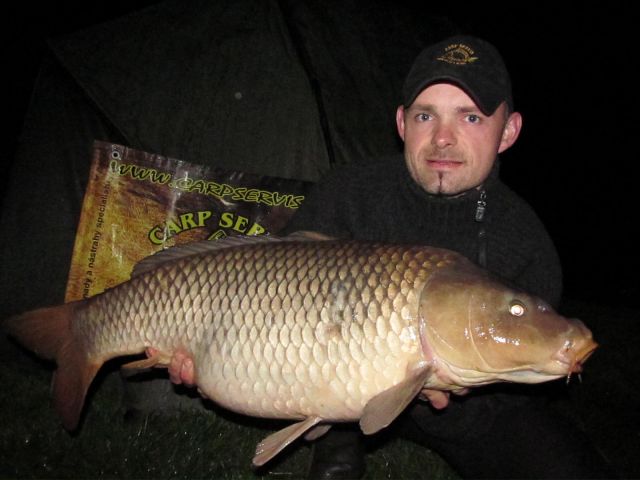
(382, 409)
(274, 443)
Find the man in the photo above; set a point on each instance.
(456, 117)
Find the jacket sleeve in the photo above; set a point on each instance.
(542, 276)
(521, 249)
(540, 272)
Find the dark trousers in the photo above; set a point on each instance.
(483, 435)
(502, 435)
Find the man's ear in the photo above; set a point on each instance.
(400, 121)
(511, 131)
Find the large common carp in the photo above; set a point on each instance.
(309, 329)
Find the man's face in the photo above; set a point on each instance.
(449, 144)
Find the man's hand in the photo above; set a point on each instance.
(438, 398)
(181, 369)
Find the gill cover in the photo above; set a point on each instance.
(488, 332)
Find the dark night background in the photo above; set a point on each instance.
(575, 82)
(573, 73)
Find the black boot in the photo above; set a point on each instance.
(339, 454)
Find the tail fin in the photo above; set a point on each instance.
(47, 332)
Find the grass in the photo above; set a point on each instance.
(189, 443)
(198, 443)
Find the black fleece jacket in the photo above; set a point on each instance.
(380, 201)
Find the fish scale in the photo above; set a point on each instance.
(334, 334)
(339, 316)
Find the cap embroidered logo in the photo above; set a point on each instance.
(458, 54)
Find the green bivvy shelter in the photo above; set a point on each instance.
(282, 88)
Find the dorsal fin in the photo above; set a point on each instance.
(195, 248)
(308, 236)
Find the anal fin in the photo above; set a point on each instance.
(156, 360)
(276, 442)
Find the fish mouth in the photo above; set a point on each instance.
(572, 358)
(582, 356)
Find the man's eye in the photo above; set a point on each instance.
(473, 118)
(423, 117)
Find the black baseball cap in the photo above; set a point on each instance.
(471, 63)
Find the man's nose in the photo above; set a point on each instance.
(444, 135)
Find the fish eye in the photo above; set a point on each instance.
(517, 309)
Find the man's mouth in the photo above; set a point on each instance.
(443, 164)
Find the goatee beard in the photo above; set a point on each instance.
(440, 192)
